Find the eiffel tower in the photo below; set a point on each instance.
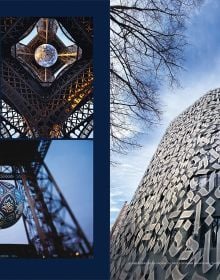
(55, 101)
(51, 227)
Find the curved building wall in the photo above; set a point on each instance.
(172, 225)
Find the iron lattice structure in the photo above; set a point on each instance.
(51, 227)
(171, 228)
(59, 107)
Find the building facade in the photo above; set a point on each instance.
(171, 228)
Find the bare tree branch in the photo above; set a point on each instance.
(146, 46)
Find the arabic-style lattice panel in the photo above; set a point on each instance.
(172, 226)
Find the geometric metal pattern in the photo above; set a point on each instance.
(171, 229)
(46, 31)
(62, 110)
(12, 124)
(51, 227)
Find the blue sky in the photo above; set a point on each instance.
(71, 163)
(201, 74)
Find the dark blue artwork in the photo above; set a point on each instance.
(11, 204)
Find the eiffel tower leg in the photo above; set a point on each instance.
(50, 222)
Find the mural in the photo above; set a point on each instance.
(11, 204)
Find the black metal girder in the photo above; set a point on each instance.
(15, 152)
(78, 31)
(40, 111)
(18, 251)
(47, 110)
(14, 29)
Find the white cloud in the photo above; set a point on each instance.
(201, 76)
(126, 177)
(114, 209)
